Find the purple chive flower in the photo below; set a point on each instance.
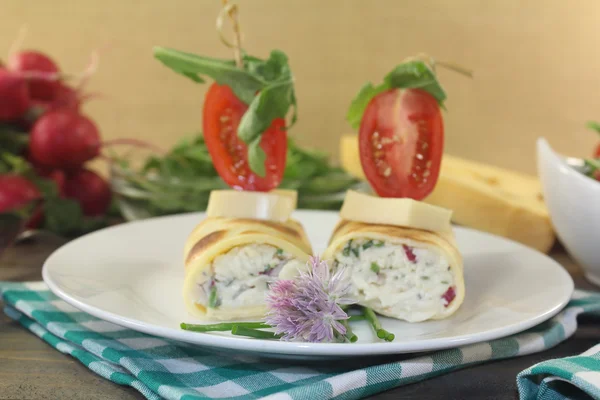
(308, 307)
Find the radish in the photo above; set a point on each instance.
(63, 139)
(17, 192)
(14, 96)
(66, 98)
(91, 192)
(34, 61)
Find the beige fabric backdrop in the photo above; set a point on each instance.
(536, 63)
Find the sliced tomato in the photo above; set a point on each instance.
(221, 116)
(401, 141)
(597, 153)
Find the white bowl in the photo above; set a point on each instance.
(573, 201)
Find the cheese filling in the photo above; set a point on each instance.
(240, 277)
(397, 280)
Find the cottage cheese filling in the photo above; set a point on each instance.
(397, 280)
(240, 277)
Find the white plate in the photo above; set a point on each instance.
(131, 274)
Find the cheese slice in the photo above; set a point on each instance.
(484, 197)
(407, 213)
(276, 205)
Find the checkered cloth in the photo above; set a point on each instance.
(161, 368)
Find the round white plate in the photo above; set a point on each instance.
(131, 274)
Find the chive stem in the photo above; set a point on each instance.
(352, 338)
(354, 318)
(222, 327)
(254, 333)
(374, 321)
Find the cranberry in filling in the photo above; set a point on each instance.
(449, 295)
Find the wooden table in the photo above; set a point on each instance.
(31, 369)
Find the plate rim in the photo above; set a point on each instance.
(300, 348)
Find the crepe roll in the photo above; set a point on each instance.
(400, 272)
(229, 263)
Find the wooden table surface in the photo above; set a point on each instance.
(31, 369)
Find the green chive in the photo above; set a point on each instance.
(279, 252)
(355, 251)
(425, 278)
(254, 333)
(222, 327)
(374, 321)
(357, 318)
(212, 299)
(352, 338)
(445, 282)
(375, 267)
(368, 243)
(379, 244)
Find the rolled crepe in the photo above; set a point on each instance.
(229, 263)
(408, 274)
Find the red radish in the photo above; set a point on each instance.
(63, 139)
(17, 192)
(91, 192)
(34, 61)
(14, 96)
(66, 98)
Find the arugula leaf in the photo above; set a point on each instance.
(257, 157)
(361, 101)
(594, 126)
(592, 164)
(413, 74)
(12, 140)
(243, 83)
(62, 216)
(275, 68)
(12, 163)
(266, 86)
(416, 75)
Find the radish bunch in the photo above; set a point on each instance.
(59, 140)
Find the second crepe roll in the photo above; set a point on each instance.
(403, 272)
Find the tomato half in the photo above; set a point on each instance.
(221, 117)
(401, 141)
(597, 152)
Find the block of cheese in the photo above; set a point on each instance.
(408, 213)
(276, 205)
(487, 198)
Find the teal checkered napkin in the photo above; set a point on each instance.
(162, 368)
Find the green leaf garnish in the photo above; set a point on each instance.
(594, 126)
(361, 101)
(257, 157)
(13, 140)
(243, 83)
(266, 86)
(414, 74)
(271, 103)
